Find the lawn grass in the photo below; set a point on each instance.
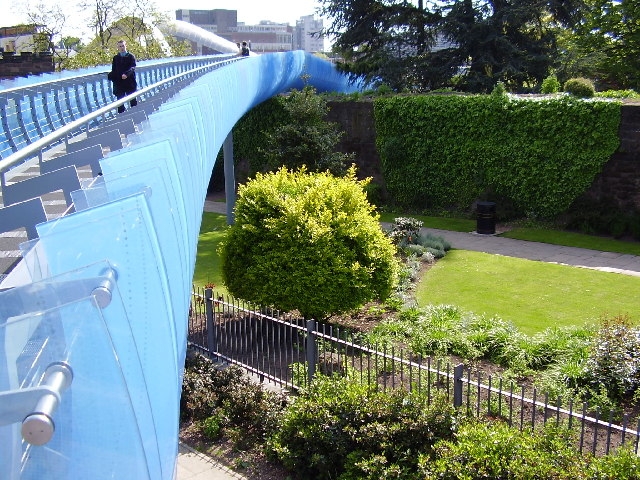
(453, 224)
(207, 270)
(532, 295)
(573, 239)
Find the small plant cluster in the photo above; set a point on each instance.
(414, 248)
(224, 401)
(339, 428)
(614, 360)
(550, 85)
(405, 234)
(500, 90)
(598, 365)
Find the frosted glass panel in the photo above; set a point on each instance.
(45, 323)
(149, 179)
(164, 153)
(123, 232)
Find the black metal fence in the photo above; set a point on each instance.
(288, 351)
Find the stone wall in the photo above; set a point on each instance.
(619, 179)
(356, 120)
(12, 66)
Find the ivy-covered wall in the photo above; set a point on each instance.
(448, 151)
(441, 151)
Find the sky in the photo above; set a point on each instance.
(249, 11)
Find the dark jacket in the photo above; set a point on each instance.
(123, 64)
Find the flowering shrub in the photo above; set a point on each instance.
(614, 361)
(405, 230)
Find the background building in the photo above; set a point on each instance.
(265, 37)
(304, 38)
(24, 50)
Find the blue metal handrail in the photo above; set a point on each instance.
(29, 113)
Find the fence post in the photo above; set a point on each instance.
(458, 372)
(211, 332)
(311, 352)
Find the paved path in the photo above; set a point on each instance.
(193, 465)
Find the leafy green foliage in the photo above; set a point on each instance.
(607, 38)
(499, 90)
(580, 87)
(447, 330)
(338, 428)
(600, 366)
(289, 130)
(306, 139)
(386, 42)
(618, 94)
(309, 242)
(614, 359)
(251, 132)
(550, 85)
(392, 41)
(482, 450)
(226, 401)
(446, 151)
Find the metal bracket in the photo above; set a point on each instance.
(101, 288)
(35, 406)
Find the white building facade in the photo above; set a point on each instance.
(305, 39)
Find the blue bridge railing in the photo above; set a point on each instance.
(36, 106)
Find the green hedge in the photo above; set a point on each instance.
(447, 151)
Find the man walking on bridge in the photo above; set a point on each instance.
(123, 74)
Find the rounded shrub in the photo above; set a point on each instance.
(580, 87)
(309, 242)
(339, 428)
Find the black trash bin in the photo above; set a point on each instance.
(486, 218)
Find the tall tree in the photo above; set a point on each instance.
(609, 33)
(305, 139)
(49, 21)
(512, 41)
(382, 40)
(103, 14)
